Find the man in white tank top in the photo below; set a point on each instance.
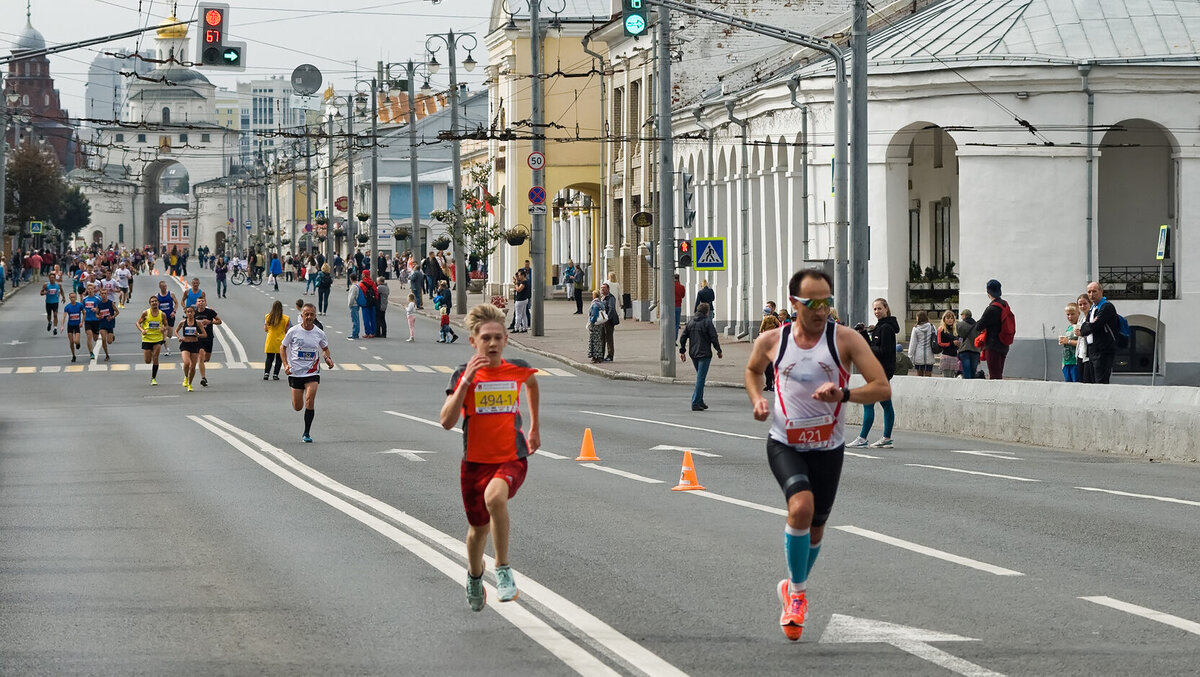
(811, 359)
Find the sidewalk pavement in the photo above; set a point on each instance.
(636, 346)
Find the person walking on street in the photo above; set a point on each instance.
(609, 320)
(680, 292)
(222, 271)
(706, 295)
(276, 270)
(324, 284)
(997, 321)
(920, 345)
(812, 358)
(416, 283)
(579, 282)
(1100, 331)
(275, 325)
(882, 340)
(410, 314)
(352, 301)
(595, 346)
(702, 335)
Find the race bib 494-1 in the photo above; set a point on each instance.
(496, 397)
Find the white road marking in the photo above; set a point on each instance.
(856, 454)
(550, 454)
(6, 370)
(931, 552)
(622, 473)
(703, 493)
(559, 372)
(1164, 499)
(418, 419)
(410, 454)
(371, 366)
(673, 425)
(1158, 616)
(698, 452)
(572, 654)
(1004, 455)
(971, 472)
(848, 629)
(421, 369)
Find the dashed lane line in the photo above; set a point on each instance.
(1164, 499)
(622, 473)
(1157, 616)
(931, 552)
(673, 425)
(971, 472)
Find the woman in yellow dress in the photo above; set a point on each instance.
(276, 325)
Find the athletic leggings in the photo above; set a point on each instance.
(889, 418)
(273, 357)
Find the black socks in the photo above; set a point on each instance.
(154, 371)
(308, 419)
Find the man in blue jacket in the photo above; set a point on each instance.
(1100, 330)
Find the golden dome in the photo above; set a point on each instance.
(169, 32)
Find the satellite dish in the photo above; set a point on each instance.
(306, 80)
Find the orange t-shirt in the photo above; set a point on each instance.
(492, 412)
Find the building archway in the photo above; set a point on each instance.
(98, 238)
(1136, 185)
(167, 186)
(922, 238)
(220, 248)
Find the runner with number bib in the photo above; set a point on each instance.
(811, 357)
(166, 303)
(73, 319)
(152, 324)
(301, 351)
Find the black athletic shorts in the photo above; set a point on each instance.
(206, 345)
(51, 306)
(298, 382)
(92, 326)
(190, 346)
(150, 346)
(72, 329)
(817, 471)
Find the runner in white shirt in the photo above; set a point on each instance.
(122, 276)
(301, 351)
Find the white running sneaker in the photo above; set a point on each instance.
(857, 442)
(883, 443)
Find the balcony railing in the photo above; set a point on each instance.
(1139, 283)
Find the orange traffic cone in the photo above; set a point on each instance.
(587, 451)
(687, 475)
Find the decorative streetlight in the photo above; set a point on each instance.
(332, 113)
(451, 41)
(407, 84)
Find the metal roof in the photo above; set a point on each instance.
(1051, 30)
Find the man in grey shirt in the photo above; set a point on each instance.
(381, 286)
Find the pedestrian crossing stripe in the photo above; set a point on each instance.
(171, 366)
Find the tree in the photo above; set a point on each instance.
(34, 187)
(75, 212)
(475, 207)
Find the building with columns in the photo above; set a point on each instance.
(1038, 142)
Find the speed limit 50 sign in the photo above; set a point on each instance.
(537, 160)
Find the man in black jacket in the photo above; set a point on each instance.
(702, 334)
(995, 351)
(610, 307)
(433, 273)
(1100, 329)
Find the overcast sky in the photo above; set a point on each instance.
(281, 34)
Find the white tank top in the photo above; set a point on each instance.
(800, 421)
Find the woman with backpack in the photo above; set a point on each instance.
(920, 345)
(324, 284)
(997, 325)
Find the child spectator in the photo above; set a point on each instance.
(1070, 344)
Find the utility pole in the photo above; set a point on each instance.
(350, 217)
(666, 200)
(860, 235)
(412, 163)
(308, 210)
(375, 83)
(329, 239)
(537, 238)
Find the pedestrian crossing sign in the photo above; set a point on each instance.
(708, 253)
(35, 227)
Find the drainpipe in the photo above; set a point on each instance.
(794, 86)
(1085, 68)
(603, 153)
(744, 225)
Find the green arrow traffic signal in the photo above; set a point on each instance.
(231, 56)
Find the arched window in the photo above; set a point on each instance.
(24, 99)
(47, 99)
(166, 115)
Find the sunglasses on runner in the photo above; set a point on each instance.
(813, 304)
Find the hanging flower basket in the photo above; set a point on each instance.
(322, 221)
(362, 216)
(320, 238)
(440, 243)
(400, 232)
(516, 235)
(285, 240)
(363, 238)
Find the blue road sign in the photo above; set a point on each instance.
(537, 195)
(708, 253)
(35, 227)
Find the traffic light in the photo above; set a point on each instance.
(634, 13)
(214, 48)
(689, 200)
(683, 249)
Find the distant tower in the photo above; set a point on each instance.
(29, 79)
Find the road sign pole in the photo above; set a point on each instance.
(1164, 235)
(666, 201)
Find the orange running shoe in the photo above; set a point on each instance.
(795, 608)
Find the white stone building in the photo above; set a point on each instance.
(1037, 142)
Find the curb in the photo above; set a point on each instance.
(9, 292)
(589, 368)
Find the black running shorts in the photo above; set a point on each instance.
(298, 382)
(817, 471)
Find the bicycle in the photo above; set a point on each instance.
(238, 276)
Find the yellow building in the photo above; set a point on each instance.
(573, 132)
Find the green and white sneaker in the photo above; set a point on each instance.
(476, 595)
(857, 442)
(882, 443)
(506, 587)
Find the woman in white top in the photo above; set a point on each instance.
(614, 288)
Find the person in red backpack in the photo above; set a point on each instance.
(996, 327)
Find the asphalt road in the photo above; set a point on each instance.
(151, 531)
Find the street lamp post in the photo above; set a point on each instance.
(408, 85)
(347, 229)
(450, 39)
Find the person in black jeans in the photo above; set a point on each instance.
(610, 307)
(702, 334)
(1100, 332)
